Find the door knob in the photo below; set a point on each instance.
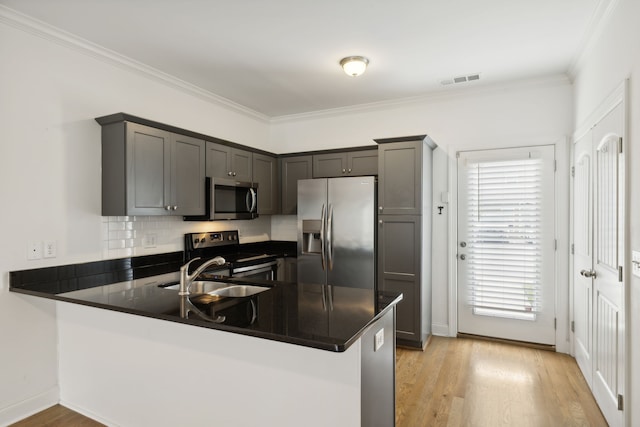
(588, 273)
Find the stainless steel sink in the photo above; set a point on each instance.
(220, 288)
(239, 291)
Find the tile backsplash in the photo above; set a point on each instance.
(124, 236)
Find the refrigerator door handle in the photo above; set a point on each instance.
(330, 237)
(322, 242)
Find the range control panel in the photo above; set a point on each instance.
(211, 239)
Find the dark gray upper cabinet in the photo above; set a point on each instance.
(293, 169)
(265, 173)
(353, 163)
(148, 171)
(228, 162)
(399, 178)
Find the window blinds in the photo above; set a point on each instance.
(505, 237)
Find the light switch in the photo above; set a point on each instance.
(379, 341)
(635, 263)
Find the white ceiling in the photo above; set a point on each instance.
(280, 57)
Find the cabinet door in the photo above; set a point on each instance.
(293, 169)
(187, 175)
(399, 269)
(148, 153)
(329, 165)
(362, 163)
(218, 160)
(241, 165)
(400, 172)
(265, 173)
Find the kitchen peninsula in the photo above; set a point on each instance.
(293, 354)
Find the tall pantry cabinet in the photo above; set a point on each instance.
(404, 232)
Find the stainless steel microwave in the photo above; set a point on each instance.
(229, 199)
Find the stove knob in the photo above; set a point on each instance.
(196, 241)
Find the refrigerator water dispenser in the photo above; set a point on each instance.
(311, 240)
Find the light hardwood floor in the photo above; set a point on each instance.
(462, 382)
(468, 382)
(57, 416)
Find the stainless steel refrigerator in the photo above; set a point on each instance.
(336, 231)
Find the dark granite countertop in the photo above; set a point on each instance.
(312, 315)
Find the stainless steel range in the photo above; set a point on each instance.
(227, 245)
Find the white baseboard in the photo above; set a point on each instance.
(26, 408)
(439, 329)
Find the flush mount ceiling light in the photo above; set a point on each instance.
(354, 65)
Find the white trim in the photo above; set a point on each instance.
(440, 330)
(597, 24)
(618, 95)
(453, 243)
(28, 407)
(442, 95)
(48, 32)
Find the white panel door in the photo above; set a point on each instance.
(506, 253)
(583, 254)
(608, 367)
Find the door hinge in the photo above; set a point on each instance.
(573, 171)
(573, 326)
(555, 323)
(573, 249)
(457, 154)
(620, 273)
(620, 146)
(555, 244)
(620, 402)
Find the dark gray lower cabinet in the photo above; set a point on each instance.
(265, 173)
(378, 371)
(293, 169)
(400, 270)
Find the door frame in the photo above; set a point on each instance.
(620, 95)
(562, 146)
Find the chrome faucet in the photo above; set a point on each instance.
(186, 279)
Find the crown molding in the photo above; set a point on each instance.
(53, 34)
(443, 95)
(597, 24)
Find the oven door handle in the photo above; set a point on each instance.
(253, 269)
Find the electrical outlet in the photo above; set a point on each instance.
(379, 340)
(150, 240)
(50, 249)
(34, 250)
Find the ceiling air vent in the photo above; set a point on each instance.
(461, 79)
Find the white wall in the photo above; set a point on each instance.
(526, 113)
(613, 57)
(50, 184)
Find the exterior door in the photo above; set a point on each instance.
(583, 254)
(506, 253)
(608, 330)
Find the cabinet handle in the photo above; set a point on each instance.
(380, 222)
(175, 208)
(380, 207)
(167, 208)
(230, 173)
(234, 174)
(349, 170)
(344, 170)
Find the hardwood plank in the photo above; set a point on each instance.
(471, 382)
(57, 416)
